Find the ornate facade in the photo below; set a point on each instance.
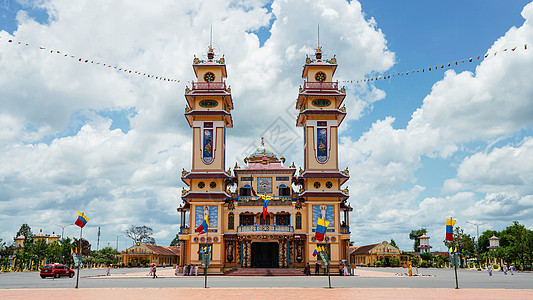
(240, 235)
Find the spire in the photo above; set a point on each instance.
(318, 53)
(210, 52)
(262, 142)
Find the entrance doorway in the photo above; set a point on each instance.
(265, 255)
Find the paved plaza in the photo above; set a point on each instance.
(382, 283)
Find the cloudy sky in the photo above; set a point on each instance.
(456, 141)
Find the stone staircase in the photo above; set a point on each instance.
(264, 272)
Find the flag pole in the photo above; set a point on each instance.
(456, 261)
(79, 259)
(328, 262)
(207, 258)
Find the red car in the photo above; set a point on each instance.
(56, 271)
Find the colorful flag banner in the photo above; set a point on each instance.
(266, 200)
(204, 226)
(81, 220)
(95, 62)
(449, 229)
(321, 226)
(431, 68)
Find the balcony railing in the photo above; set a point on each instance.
(345, 230)
(256, 198)
(208, 86)
(321, 85)
(265, 228)
(185, 230)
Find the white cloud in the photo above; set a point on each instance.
(132, 178)
(494, 103)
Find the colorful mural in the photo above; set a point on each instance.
(329, 211)
(264, 185)
(213, 215)
(208, 146)
(322, 145)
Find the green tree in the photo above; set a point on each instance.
(141, 234)
(39, 251)
(463, 242)
(515, 240)
(393, 243)
(175, 241)
(25, 230)
(105, 256)
(415, 235)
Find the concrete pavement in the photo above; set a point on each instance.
(264, 293)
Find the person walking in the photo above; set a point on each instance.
(317, 268)
(512, 268)
(489, 269)
(196, 270)
(184, 270)
(176, 271)
(191, 270)
(154, 269)
(151, 270)
(307, 270)
(108, 273)
(504, 269)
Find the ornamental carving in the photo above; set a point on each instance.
(184, 191)
(187, 108)
(343, 90)
(221, 61)
(346, 172)
(184, 173)
(187, 90)
(346, 191)
(343, 108)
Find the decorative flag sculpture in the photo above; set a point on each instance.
(449, 229)
(321, 226)
(203, 227)
(318, 250)
(266, 200)
(81, 220)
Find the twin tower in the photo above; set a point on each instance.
(240, 234)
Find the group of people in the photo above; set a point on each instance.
(343, 269)
(188, 270)
(504, 269)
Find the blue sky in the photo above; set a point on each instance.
(420, 148)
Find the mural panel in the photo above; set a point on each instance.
(264, 185)
(213, 215)
(322, 145)
(320, 210)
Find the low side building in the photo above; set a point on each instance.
(368, 254)
(158, 255)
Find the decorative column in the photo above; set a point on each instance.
(248, 254)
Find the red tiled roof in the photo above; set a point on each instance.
(362, 249)
(163, 250)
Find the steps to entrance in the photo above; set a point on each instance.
(264, 272)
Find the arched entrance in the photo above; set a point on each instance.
(265, 255)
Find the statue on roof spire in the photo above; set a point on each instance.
(262, 142)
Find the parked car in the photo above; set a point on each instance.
(56, 271)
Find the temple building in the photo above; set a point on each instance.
(243, 233)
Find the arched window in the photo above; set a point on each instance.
(246, 190)
(284, 190)
(298, 220)
(231, 221)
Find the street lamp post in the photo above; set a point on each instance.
(63, 230)
(477, 247)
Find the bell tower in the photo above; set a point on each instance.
(208, 112)
(320, 114)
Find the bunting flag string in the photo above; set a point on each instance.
(92, 61)
(433, 68)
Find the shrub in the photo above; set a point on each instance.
(377, 263)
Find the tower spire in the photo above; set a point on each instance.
(211, 52)
(318, 53)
